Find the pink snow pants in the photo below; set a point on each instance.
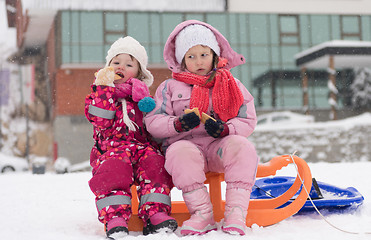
(123, 166)
(232, 155)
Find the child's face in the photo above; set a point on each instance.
(199, 60)
(125, 66)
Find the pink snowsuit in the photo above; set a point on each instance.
(121, 157)
(189, 155)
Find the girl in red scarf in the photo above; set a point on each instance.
(200, 58)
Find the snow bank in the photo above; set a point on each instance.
(332, 141)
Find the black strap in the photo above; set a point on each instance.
(98, 148)
(316, 188)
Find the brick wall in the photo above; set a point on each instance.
(159, 74)
(72, 86)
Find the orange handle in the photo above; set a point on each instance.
(270, 168)
(265, 212)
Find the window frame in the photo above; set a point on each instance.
(283, 34)
(345, 35)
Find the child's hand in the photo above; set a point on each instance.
(105, 76)
(216, 128)
(187, 122)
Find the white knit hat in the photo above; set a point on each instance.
(193, 35)
(131, 46)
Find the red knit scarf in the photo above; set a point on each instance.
(226, 96)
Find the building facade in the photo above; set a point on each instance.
(73, 42)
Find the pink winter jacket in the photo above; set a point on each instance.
(109, 129)
(173, 97)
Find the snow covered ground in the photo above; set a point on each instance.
(61, 206)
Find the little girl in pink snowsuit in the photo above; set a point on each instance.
(200, 58)
(123, 153)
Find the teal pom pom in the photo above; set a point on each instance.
(147, 104)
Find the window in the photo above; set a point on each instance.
(114, 27)
(82, 38)
(289, 30)
(350, 27)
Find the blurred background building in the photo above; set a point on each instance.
(62, 43)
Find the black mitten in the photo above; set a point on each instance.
(187, 122)
(216, 128)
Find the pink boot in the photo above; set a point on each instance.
(201, 210)
(117, 228)
(237, 202)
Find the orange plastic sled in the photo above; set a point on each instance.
(263, 212)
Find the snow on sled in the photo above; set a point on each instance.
(323, 195)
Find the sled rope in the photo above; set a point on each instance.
(310, 199)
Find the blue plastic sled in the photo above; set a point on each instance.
(324, 196)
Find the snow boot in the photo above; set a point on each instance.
(201, 210)
(237, 202)
(160, 222)
(117, 228)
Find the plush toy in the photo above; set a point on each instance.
(106, 76)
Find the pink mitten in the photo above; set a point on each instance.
(139, 90)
